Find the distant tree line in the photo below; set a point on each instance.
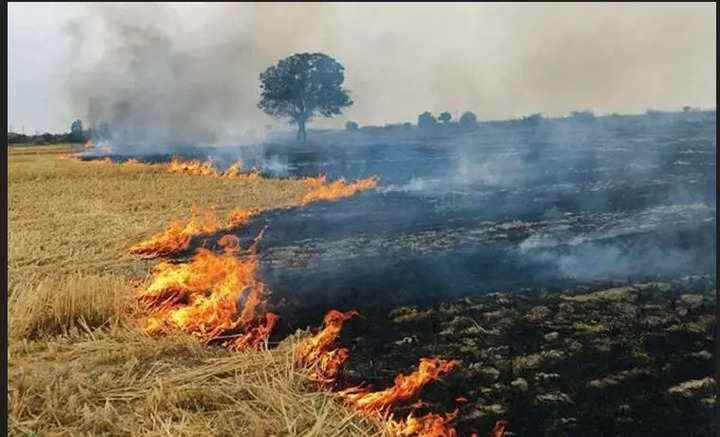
(468, 121)
(77, 134)
(428, 121)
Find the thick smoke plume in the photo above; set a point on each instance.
(152, 82)
(188, 73)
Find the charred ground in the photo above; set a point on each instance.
(568, 266)
(628, 360)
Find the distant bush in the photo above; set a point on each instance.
(468, 120)
(426, 120)
(407, 125)
(351, 125)
(533, 119)
(445, 117)
(586, 115)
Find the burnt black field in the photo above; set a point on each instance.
(505, 207)
(497, 247)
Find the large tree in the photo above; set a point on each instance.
(76, 131)
(304, 86)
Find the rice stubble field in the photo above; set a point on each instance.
(78, 362)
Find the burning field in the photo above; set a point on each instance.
(80, 362)
(406, 291)
(211, 307)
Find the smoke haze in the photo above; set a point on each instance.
(189, 72)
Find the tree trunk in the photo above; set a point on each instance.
(302, 132)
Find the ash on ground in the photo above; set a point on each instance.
(627, 360)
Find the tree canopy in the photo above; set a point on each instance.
(468, 120)
(304, 86)
(76, 130)
(426, 120)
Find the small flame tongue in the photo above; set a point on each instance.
(317, 353)
(430, 425)
(253, 338)
(229, 243)
(194, 167)
(207, 168)
(241, 216)
(177, 236)
(405, 388)
(339, 189)
(499, 428)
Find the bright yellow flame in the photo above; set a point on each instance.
(177, 236)
(406, 387)
(339, 189)
(430, 425)
(209, 296)
(317, 352)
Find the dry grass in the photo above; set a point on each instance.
(79, 366)
(55, 305)
(123, 383)
(73, 216)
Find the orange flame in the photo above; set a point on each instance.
(405, 387)
(177, 236)
(235, 172)
(338, 189)
(241, 216)
(207, 168)
(315, 182)
(209, 296)
(320, 188)
(229, 243)
(193, 167)
(430, 425)
(499, 428)
(317, 354)
(253, 338)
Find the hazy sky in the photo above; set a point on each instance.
(179, 64)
